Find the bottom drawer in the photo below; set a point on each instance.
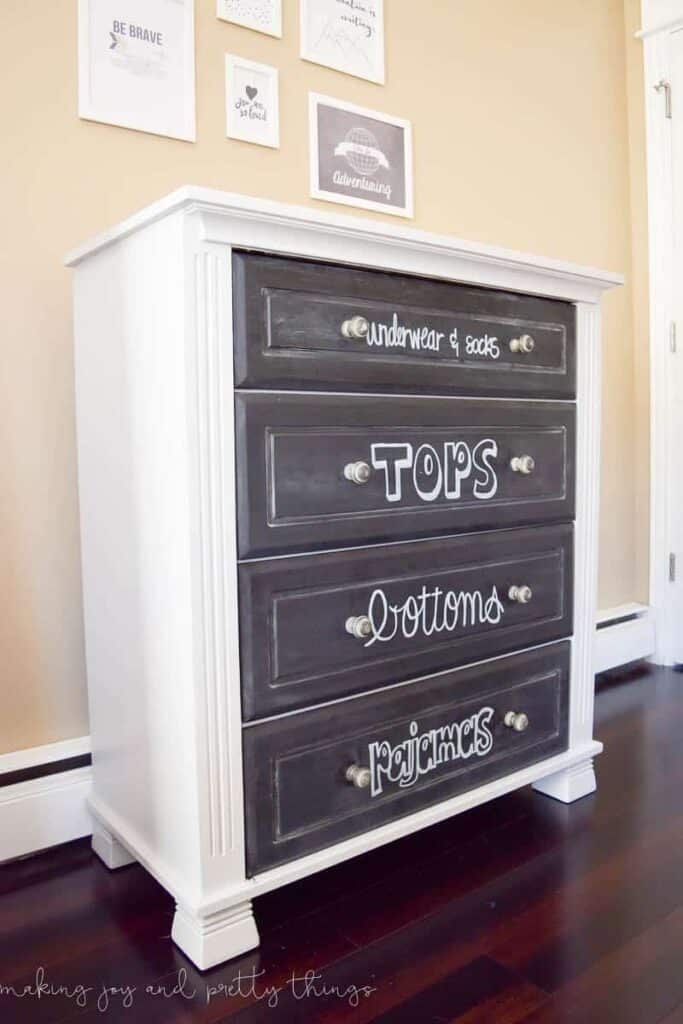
(315, 778)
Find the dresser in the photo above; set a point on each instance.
(338, 490)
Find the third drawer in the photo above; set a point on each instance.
(320, 627)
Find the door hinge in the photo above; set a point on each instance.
(672, 335)
(665, 87)
(672, 568)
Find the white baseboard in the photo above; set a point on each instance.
(624, 634)
(17, 760)
(44, 812)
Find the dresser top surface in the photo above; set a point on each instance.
(236, 218)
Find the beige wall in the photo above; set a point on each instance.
(521, 139)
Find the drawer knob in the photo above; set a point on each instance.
(356, 328)
(359, 626)
(522, 595)
(357, 776)
(357, 472)
(525, 344)
(516, 720)
(523, 464)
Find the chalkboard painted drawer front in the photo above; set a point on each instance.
(331, 471)
(325, 327)
(319, 627)
(316, 778)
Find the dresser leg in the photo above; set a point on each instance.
(211, 940)
(570, 784)
(108, 849)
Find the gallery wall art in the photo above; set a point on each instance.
(347, 35)
(259, 15)
(136, 65)
(360, 157)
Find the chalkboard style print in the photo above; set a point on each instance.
(260, 15)
(347, 35)
(136, 65)
(360, 157)
(251, 99)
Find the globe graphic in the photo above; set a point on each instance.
(362, 163)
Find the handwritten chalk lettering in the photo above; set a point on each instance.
(485, 347)
(392, 459)
(431, 611)
(423, 753)
(437, 473)
(398, 335)
(422, 338)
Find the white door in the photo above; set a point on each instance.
(673, 105)
(675, 357)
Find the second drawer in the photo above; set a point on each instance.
(319, 627)
(330, 471)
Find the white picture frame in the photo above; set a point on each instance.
(252, 101)
(137, 71)
(259, 15)
(360, 157)
(346, 38)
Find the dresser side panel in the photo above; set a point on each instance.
(136, 542)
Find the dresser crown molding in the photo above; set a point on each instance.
(238, 220)
(214, 369)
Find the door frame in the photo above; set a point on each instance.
(660, 18)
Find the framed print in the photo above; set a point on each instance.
(347, 35)
(261, 15)
(251, 101)
(136, 65)
(360, 157)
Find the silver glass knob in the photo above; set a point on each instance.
(516, 720)
(523, 464)
(359, 626)
(524, 344)
(357, 472)
(355, 328)
(357, 776)
(522, 595)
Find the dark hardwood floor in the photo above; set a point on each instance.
(521, 910)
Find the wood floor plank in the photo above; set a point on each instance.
(563, 934)
(480, 987)
(639, 983)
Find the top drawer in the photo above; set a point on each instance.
(325, 327)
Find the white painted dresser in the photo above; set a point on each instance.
(339, 492)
